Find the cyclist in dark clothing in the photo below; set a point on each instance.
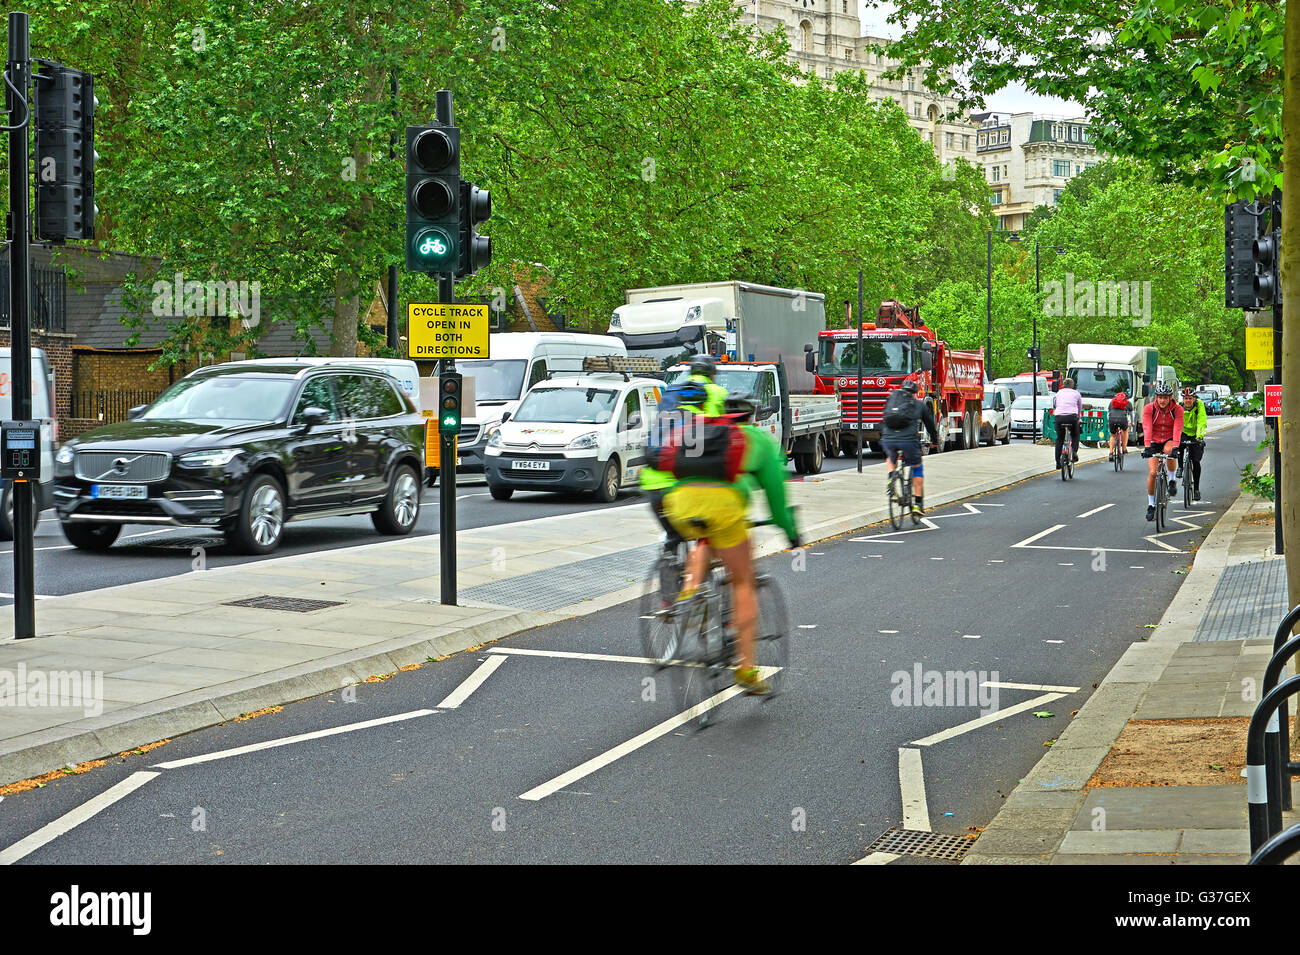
(906, 440)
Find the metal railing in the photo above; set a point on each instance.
(1268, 765)
(108, 406)
(49, 298)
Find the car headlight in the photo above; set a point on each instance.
(494, 438)
(589, 440)
(65, 455)
(215, 458)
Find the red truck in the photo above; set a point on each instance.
(899, 345)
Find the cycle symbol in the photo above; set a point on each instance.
(433, 246)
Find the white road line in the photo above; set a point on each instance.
(631, 746)
(1041, 534)
(70, 820)
(970, 636)
(287, 740)
(807, 626)
(997, 561)
(1040, 687)
(38, 596)
(1053, 641)
(571, 655)
(888, 631)
(1136, 567)
(911, 784)
(878, 858)
(936, 558)
(1060, 563)
(986, 720)
(472, 682)
(878, 540)
(1096, 510)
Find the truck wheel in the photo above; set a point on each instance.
(961, 440)
(850, 448)
(810, 462)
(799, 463)
(832, 445)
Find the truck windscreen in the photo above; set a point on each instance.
(1102, 382)
(878, 357)
(667, 348)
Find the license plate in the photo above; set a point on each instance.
(865, 426)
(130, 492)
(531, 465)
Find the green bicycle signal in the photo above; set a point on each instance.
(434, 247)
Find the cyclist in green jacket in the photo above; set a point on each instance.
(715, 511)
(1193, 439)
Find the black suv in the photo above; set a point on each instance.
(244, 448)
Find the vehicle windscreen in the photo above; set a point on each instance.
(40, 390)
(667, 348)
(224, 398)
(739, 383)
(1026, 402)
(568, 405)
(1103, 382)
(494, 380)
(990, 400)
(878, 357)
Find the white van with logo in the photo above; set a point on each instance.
(585, 433)
(518, 361)
(43, 410)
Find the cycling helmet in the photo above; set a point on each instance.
(1164, 388)
(740, 405)
(1188, 393)
(910, 386)
(704, 365)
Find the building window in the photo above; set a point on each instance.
(829, 72)
(846, 6)
(1006, 221)
(1060, 167)
(980, 140)
(1006, 136)
(1056, 195)
(995, 198)
(948, 139)
(1005, 173)
(911, 83)
(997, 174)
(848, 54)
(965, 144)
(805, 36)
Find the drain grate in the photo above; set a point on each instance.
(294, 604)
(929, 845)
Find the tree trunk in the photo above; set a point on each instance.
(347, 304)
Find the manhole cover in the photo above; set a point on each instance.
(930, 845)
(294, 604)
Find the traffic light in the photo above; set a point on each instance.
(1240, 229)
(65, 152)
(476, 250)
(1031, 354)
(1265, 251)
(433, 199)
(449, 390)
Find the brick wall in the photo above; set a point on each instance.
(96, 370)
(58, 350)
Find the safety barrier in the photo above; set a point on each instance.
(1264, 801)
(1093, 425)
(1278, 849)
(1282, 741)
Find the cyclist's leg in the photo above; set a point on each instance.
(672, 539)
(739, 562)
(1151, 472)
(1060, 439)
(912, 458)
(1197, 449)
(1074, 439)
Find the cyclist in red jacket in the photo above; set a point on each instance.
(1162, 424)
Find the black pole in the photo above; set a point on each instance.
(1033, 386)
(20, 352)
(860, 371)
(988, 334)
(392, 269)
(447, 443)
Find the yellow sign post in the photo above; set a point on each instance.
(1259, 349)
(435, 330)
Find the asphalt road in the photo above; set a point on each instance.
(1042, 585)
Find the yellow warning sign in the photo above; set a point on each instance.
(446, 331)
(1259, 349)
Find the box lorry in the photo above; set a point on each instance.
(1102, 371)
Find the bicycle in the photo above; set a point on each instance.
(1162, 489)
(899, 495)
(1065, 463)
(1120, 454)
(662, 585)
(1184, 461)
(704, 641)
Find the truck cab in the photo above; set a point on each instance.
(672, 330)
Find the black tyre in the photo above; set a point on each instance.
(1122, 456)
(500, 493)
(401, 507)
(701, 649)
(1007, 439)
(607, 491)
(773, 647)
(659, 628)
(1187, 488)
(897, 506)
(7, 513)
(260, 525)
(87, 536)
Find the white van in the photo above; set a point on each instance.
(402, 369)
(585, 433)
(43, 410)
(518, 361)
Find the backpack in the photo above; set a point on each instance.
(672, 416)
(702, 447)
(900, 410)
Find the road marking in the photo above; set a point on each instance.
(911, 783)
(1041, 534)
(70, 820)
(1061, 563)
(38, 596)
(1040, 687)
(888, 631)
(807, 626)
(997, 561)
(472, 682)
(936, 558)
(632, 745)
(970, 636)
(1053, 641)
(287, 740)
(878, 858)
(572, 655)
(1096, 510)
(1136, 567)
(877, 540)
(986, 720)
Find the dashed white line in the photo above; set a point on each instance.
(472, 682)
(807, 626)
(970, 636)
(70, 820)
(572, 655)
(888, 631)
(878, 858)
(1061, 563)
(1096, 510)
(1053, 641)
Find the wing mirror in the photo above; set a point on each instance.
(313, 418)
(505, 416)
(927, 360)
(136, 411)
(634, 419)
(809, 359)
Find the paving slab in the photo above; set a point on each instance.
(1121, 841)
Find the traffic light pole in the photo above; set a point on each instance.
(447, 476)
(20, 364)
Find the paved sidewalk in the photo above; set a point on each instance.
(174, 655)
(1189, 669)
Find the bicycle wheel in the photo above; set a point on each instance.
(1187, 488)
(772, 650)
(896, 503)
(700, 673)
(1122, 455)
(1118, 460)
(1162, 498)
(659, 626)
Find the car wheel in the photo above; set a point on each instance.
(607, 492)
(500, 493)
(1007, 438)
(7, 514)
(401, 507)
(91, 536)
(260, 523)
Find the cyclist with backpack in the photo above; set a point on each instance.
(1117, 418)
(697, 395)
(1192, 444)
(710, 503)
(900, 435)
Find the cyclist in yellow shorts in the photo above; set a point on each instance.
(708, 507)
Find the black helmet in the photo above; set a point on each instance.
(705, 365)
(1164, 388)
(741, 405)
(910, 386)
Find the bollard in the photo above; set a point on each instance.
(1283, 739)
(1265, 813)
(1278, 849)
(1279, 773)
